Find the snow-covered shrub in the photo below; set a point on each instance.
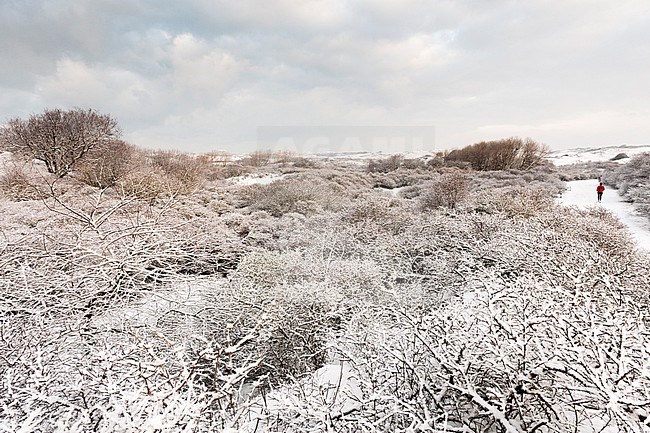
(503, 154)
(258, 158)
(302, 162)
(260, 229)
(632, 181)
(449, 190)
(265, 269)
(585, 170)
(640, 196)
(104, 167)
(391, 163)
(371, 218)
(186, 170)
(62, 374)
(147, 183)
(516, 357)
(402, 177)
(282, 197)
(534, 339)
(541, 177)
(161, 175)
(507, 313)
(111, 250)
(217, 172)
(411, 192)
(203, 247)
(636, 171)
(177, 368)
(517, 201)
(353, 182)
(300, 194)
(20, 182)
(300, 317)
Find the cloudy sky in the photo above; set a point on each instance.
(201, 75)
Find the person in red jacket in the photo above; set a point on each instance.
(599, 190)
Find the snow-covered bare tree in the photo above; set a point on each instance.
(59, 138)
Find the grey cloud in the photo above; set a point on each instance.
(205, 73)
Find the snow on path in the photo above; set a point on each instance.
(582, 193)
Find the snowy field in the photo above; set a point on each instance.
(593, 154)
(558, 157)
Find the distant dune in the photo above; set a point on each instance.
(586, 154)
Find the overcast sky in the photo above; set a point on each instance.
(201, 75)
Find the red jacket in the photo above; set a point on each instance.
(600, 188)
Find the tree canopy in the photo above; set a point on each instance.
(505, 154)
(59, 138)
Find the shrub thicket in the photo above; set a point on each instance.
(633, 181)
(448, 191)
(163, 174)
(318, 302)
(105, 166)
(19, 182)
(502, 154)
(385, 165)
(299, 194)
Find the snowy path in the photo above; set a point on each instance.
(582, 193)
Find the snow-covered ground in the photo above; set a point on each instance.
(392, 191)
(368, 155)
(256, 180)
(5, 157)
(582, 193)
(592, 154)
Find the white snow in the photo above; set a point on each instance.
(334, 386)
(593, 154)
(256, 180)
(365, 156)
(5, 157)
(582, 193)
(392, 191)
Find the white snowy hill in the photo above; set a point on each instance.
(558, 157)
(587, 154)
